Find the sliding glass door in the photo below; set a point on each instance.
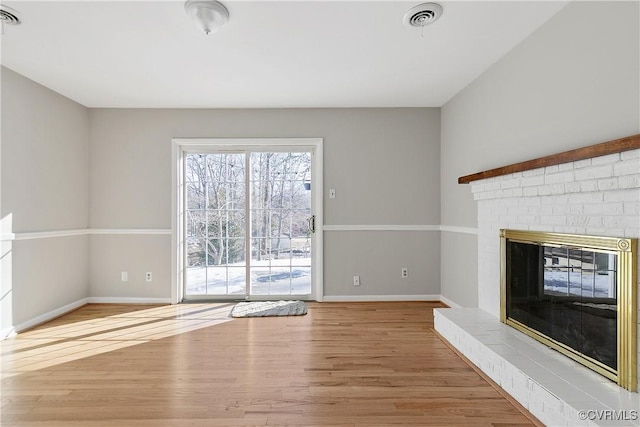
(248, 224)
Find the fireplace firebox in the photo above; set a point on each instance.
(576, 294)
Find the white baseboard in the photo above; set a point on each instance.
(7, 333)
(127, 300)
(449, 302)
(50, 315)
(373, 298)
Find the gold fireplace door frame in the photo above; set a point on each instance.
(627, 319)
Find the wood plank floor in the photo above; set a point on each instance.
(343, 364)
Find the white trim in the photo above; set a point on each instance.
(380, 298)
(454, 229)
(127, 300)
(182, 145)
(378, 227)
(167, 231)
(4, 237)
(7, 333)
(51, 234)
(244, 142)
(84, 232)
(50, 315)
(144, 231)
(317, 208)
(450, 303)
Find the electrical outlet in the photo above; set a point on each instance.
(148, 276)
(356, 280)
(405, 272)
(124, 276)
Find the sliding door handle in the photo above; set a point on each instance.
(312, 223)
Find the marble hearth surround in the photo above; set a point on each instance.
(597, 196)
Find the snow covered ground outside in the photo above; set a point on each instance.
(580, 283)
(268, 277)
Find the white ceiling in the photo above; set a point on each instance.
(270, 54)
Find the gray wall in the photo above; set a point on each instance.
(574, 82)
(383, 163)
(45, 158)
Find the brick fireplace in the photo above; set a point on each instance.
(592, 191)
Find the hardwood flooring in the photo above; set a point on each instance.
(343, 364)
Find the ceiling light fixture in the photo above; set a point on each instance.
(208, 15)
(8, 16)
(422, 15)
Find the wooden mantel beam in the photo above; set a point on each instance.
(616, 146)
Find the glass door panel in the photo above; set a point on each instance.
(280, 234)
(215, 224)
(248, 234)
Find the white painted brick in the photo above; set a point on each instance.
(572, 187)
(632, 208)
(585, 198)
(547, 200)
(562, 198)
(560, 177)
(529, 201)
(553, 220)
(490, 186)
(596, 231)
(633, 232)
(628, 195)
(565, 166)
(565, 229)
(582, 163)
(603, 160)
(518, 210)
(594, 173)
(530, 191)
(618, 221)
(594, 221)
(568, 209)
(538, 227)
(477, 188)
(533, 172)
(542, 210)
(505, 219)
(629, 181)
(510, 183)
(608, 184)
(631, 154)
(627, 168)
(586, 186)
(577, 220)
(551, 169)
(557, 188)
(614, 232)
(544, 190)
(508, 202)
(604, 209)
(528, 219)
(533, 180)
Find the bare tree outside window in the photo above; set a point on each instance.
(216, 222)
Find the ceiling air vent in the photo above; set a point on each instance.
(9, 16)
(423, 14)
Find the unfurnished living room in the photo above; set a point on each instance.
(319, 213)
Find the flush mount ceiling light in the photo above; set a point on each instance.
(422, 15)
(8, 16)
(208, 15)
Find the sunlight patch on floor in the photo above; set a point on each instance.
(49, 345)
